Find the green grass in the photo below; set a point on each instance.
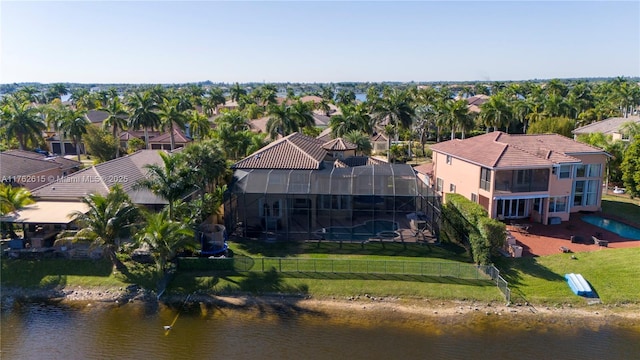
(58, 273)
(612, 273)
(622, 207)
(51, 273)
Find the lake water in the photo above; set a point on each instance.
(49, 330)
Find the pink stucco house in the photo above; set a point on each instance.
(539, 177)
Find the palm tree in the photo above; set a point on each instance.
(302, 113)
(13, 198)
(495, 112)
(237, 92)
(54, 115)
(171, 180)
(207, 163)
(455, 115)
(165, 238)
(75, 126)
(396, 110)
(211, 101)
(143, 107)
(345, 97)
(361, 140)
(352, 117)
(280, 121)
(110, 219)
(56, 91)
(199, 125)
(170, 116)
(21, 120)
(116, 119)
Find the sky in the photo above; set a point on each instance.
(322, 41)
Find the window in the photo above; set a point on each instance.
(537, 205)
(439, 184)
(449, 159)
(594, 170)
(452, 188)
(523, 177)
(578, 193)
(624, 136)
(485, 179)
(580, 170)
(585, 192)
(474, 197)
(565, 172)
(558, 204)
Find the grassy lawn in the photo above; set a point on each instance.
(57, 273)
(622, 207)
(612, 273)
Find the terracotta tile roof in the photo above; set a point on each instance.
(379, 137)
(63, 163)
(607, 126)
(500, 150)
(295, 151)
(325, 135)
(97, 116)
(321, 120)
(311, 98)
(426, 168)
(14, 165)
(260, 124)
(178, 136)
(477, 100)
(338, 145)
(127, 171)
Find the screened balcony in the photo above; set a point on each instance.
(521, 181)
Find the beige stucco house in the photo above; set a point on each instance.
(539, 177)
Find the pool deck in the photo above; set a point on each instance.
(541, 240)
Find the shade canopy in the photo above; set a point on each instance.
(45, 212)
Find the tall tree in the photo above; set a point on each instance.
(199, 125)
(396, 110)
(109, 220)
(75, 126)
(21, 120)
(171, 116)
(361, 140)
(211, 101)
(631, 168)
(237, 92)
(170, 180)
(143, 109)
(116, 118)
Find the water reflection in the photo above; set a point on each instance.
(58, 331)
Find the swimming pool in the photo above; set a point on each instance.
(624, 230)
(361, 232)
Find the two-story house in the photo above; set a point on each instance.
(540, 177)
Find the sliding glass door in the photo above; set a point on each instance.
(513, 208)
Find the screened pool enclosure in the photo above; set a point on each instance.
(383, 201)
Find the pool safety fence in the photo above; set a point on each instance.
(342, 266)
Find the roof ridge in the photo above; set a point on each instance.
(303, 151)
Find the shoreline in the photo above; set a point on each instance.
(353, 307)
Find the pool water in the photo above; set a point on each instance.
(624, 230)
(361, 232)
